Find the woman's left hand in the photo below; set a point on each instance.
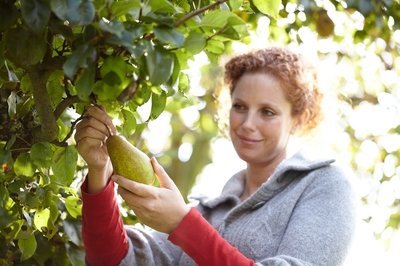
(161, 208)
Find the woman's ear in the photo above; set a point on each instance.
(294, 128)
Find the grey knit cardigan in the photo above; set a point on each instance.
(302, 215)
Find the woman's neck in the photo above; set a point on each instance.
(257, 174)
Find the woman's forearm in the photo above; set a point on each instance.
(204, 244)
(103, 232)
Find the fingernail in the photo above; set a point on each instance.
(114, 178)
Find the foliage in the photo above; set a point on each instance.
(58, 56)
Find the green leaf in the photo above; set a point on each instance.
(270, 7)
(74, 206)
(142, 95)
(80, 12)
(116, 65)
(161, 6)
(3, 195)
(235, 20)
(79, 58)
(41, 219)
(215, 46)
(54, 212)
(112, 79)
(33, 199)
(235, 4)
(123, 7)
(36, 14)
(104, 92)
(161, 19)
(113, 27)
(158, 101)
(183, 84)
(26, 228)
(13, 229)
(5, 154)
(23, 47)
(64, 164)
(160, 65)
(23, 165)
(27, 247)
(42, 154)
(175, 74)
(85, 83)
(129, 124)
(195, 42)
(169, 36)
(216, 19)
(127, 40)
(230, 33)
(122, 36)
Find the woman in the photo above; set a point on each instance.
(280, 210)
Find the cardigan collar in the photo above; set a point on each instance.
(290, 168)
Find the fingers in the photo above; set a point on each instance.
(136, 188)
(95, 125)
(92, 128)
(98, 114)
(163, 178)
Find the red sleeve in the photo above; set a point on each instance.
(104, 236)
(204, 244)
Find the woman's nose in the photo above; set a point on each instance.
(249, 121)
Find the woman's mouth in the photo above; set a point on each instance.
(248, 140)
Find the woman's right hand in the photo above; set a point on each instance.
(90, 137)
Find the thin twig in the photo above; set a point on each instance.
(217, 32)
(64, 104)
(197, 12)
(23, 140)
(64, 143)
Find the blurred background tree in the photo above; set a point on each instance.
(156, 67)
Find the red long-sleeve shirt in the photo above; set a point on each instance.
(106, 241)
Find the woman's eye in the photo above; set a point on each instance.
(238, 107)
(267, 112)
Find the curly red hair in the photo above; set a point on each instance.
(296, 75)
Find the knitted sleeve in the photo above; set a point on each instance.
(103, 232)
(204, 244)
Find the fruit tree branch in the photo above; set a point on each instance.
(48, 124)
(64, 104)
(197, 12)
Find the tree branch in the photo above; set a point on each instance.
(197, 12)
(48, 125)
(64, 104)
(64, 143)
(217, 32)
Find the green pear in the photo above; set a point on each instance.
(129, 161)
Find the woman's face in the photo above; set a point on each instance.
(260, 119)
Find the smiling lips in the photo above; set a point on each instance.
(246, 140)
